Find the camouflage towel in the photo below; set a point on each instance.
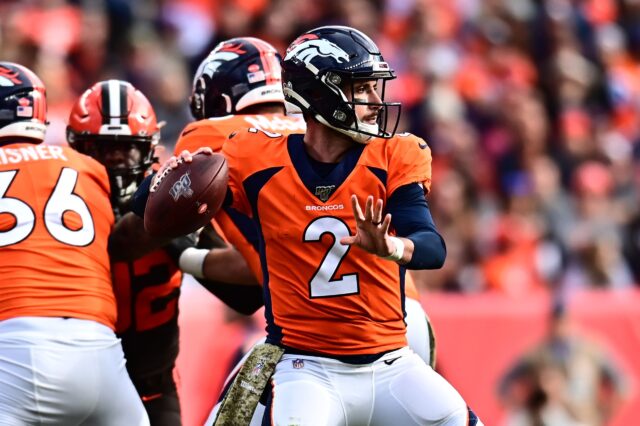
(244, 394)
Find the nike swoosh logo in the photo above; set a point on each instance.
(391, 361)
(186, 132)
(422, 145)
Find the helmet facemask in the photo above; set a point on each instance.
(116, 125)
(345, 120)
(127, 160)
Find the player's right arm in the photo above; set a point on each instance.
(129, 241)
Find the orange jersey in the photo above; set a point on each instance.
(212, 132)
(238, 229)
(55, 219)
(322, 296)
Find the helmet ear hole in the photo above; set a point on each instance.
(228, 104)
(197, 99)
(197, 106)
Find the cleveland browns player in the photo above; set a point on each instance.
(115, 124)
(60, 360)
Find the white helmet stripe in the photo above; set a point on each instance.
(114, 102)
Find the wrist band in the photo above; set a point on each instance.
(398, 252)
(191, 261)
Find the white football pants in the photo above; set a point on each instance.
(58, 371)
(418, 336)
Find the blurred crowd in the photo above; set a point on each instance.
(564, 380)
(531, 108)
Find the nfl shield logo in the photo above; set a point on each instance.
(324, 192)
(298, 363)
(258, 368)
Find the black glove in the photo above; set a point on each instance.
(175, 248)
(209, 238)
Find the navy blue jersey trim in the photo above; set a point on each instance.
(252, 186)
(381, 174)
(307, 172)
(245, 225)
(349, 359)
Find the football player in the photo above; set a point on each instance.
(334, 270)
(60, 360)
(115, 124)
(239, 85)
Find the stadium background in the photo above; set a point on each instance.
(532, 110)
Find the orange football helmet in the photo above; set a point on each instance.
(115, 123)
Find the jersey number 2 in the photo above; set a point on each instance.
(61, 200)
(322, 284)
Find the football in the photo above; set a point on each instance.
(184, 199)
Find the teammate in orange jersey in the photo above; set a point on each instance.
(60, 360)
(238, 85)
(333, 273)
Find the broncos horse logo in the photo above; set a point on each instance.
(8, 77)
(215, 60)
(220, 55)
(308, 49)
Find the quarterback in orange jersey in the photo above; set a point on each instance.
(334, 269)
(60, 361)
(220, 109)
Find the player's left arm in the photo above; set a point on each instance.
(424, 247)
(408, 183)
(418, 245)
(219, 264)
